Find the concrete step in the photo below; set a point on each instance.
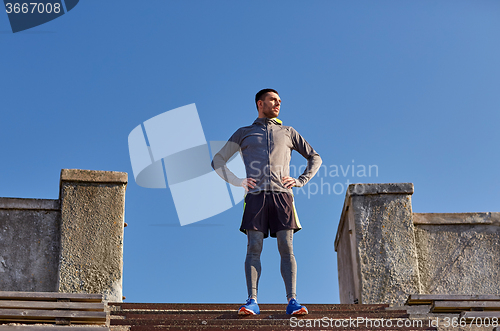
(169, 316)
(51, 328)
(266, 328)
(119, 306)
(288, 321)
(263, 310)
(151, 319)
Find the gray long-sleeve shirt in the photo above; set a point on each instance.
(266, 147)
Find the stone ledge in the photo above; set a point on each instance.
(93, 176)
(456, 218)
(29, 204)
(383, 188)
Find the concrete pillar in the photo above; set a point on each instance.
(29, 244)
(375, 244)
(92, 221)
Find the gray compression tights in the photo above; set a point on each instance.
(288, 264)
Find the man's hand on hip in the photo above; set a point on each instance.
(288, 182)
(248, 183)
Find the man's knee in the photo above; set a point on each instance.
(285, 242)
(255, 242)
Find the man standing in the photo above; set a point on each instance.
(266, 147)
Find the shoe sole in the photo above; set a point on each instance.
(244, 311)
(301, 311)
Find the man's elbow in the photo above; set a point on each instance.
(317, 159)
(218, 162)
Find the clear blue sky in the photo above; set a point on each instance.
(411, 87)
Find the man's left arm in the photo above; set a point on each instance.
(313, 159)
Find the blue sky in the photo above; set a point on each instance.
(411, 87)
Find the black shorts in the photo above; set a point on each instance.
(266, 212)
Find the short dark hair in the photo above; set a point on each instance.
(260, 95)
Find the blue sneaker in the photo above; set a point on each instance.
(294, 308)
(249, 308)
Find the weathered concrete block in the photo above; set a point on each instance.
(376, 245)
(386, 252)
(29, 244)
(459, 253)
(92, 222)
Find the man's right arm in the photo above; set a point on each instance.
(223, 156)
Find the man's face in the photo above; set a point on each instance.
(270, 106)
